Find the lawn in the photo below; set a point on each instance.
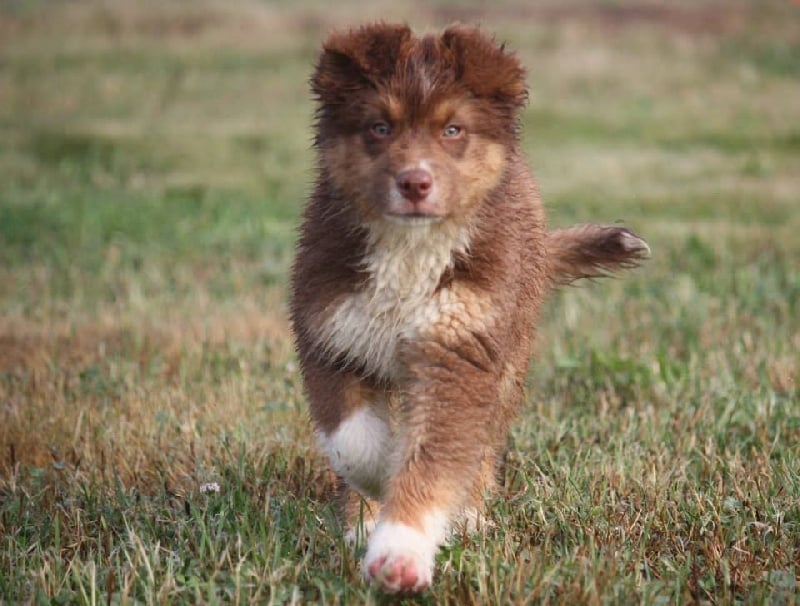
(154, 439)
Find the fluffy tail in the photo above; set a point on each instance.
(593, 251)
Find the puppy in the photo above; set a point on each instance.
(422, 262)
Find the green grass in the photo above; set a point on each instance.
(153, 164)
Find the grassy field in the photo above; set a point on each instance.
(154, 158)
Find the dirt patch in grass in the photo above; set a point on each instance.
(28, 344)
(136, 393)
(29, 349)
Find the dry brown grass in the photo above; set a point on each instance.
(154, 158)
(141, 395)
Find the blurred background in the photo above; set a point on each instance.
(151, 149)
(154, 160)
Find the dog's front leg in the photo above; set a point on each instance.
(352, 422)
(450, 411)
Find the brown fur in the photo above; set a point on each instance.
(592, 251)
(437, 318)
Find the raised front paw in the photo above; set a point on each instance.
(399, 558)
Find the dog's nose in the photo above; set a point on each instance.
(414, 183)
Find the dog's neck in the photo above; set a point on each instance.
(408, 261)
(403, 267)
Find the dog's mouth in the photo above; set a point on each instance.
(409, 211)
(413, 218)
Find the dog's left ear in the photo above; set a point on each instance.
(486, 67)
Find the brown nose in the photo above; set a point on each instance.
(415, 183)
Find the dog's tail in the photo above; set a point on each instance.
(593, 251)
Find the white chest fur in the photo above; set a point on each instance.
(399, 298)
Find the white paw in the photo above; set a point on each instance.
(632, 243)
(399, 558)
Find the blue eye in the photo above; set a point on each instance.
(451, 131)
(381, 130)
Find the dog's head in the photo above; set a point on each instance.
(415, 129)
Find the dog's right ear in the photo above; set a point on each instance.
(354, 59)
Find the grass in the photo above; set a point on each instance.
(154, 159)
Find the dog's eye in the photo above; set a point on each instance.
(451, 131)
(381, 130)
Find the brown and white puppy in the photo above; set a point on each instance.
(422, 262)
